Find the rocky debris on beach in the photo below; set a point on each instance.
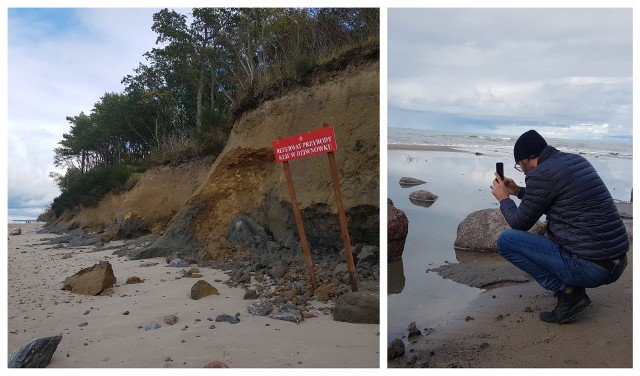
(228, 318)
(275, 271)
(16, 231)
(422, 198)
(260, 308)
(178, 263)
(202, 289)
(406, 182)
(479, 231)
(134, 279)
(397, 230)
(75, 238)
(191, 273)
(36, 354)
(92, 280)
(170, 319)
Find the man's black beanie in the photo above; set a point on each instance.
(529, 145)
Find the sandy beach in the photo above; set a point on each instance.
(500, 328)
(108, 331)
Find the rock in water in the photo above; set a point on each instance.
(480, 231)
(397, 230)
(36, 354)
(422, 198)
(406, 182)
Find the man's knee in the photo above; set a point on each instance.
(504, 239)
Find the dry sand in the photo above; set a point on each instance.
(37, 307)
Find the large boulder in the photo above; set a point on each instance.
(362, 306)
(480, 230)
(35, 354)
(92, 280)
(397, 229)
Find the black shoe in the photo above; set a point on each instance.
(569, 306)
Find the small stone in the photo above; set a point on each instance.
(125, 313)
(83, 324)
(170, 319)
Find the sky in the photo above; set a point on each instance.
(565, 72)
(60, 63)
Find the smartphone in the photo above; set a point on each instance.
(500, 170)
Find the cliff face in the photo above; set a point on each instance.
(195, 203)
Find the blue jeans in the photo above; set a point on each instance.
(550, 264)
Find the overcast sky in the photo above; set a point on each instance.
(567, 72)
(60, 63)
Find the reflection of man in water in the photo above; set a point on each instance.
(586, 241)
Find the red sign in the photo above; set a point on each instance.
(315, 142)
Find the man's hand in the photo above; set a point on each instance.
(501, 188)
(511, 185)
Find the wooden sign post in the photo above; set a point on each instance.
(303, 145)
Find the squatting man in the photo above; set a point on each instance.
(586, 242)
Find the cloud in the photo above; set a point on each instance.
(560, 67)
(60, 63)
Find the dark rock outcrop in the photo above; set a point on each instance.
(480, 230)
(397, 230)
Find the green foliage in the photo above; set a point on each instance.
(303, 64)
(88, 189)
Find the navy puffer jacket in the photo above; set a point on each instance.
(581, 214)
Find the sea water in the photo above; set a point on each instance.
(461, 180)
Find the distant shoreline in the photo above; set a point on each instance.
(423, 147)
